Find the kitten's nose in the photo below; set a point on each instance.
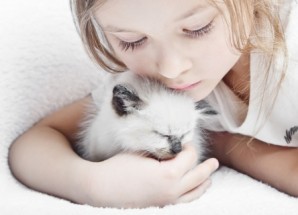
(175, 144)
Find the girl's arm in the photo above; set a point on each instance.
(275, 165)
(42, 158)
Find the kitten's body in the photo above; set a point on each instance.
(137, 114)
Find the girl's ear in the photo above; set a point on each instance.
(204, 108)
(125, 100)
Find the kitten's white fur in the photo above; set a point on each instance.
(151, 123)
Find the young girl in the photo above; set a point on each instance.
(231, 52)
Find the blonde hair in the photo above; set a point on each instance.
(91, 35)
(265, 36)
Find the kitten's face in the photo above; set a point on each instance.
(156, 122)
(160, 130)
(159, 126)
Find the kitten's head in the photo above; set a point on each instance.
(155, 120)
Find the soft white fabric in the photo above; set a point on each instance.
(43, 67)
(281, 127)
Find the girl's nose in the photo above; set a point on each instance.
(171, 63)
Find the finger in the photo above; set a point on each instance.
(184, 161)
(198, 175)
(195, 193)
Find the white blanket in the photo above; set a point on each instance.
(42, 67)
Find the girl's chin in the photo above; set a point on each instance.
(199, 95)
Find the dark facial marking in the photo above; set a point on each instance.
(125, 100)
(205, 107)
(175, 144)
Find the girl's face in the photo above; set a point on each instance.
(184, 44)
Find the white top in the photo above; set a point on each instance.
(281, 126)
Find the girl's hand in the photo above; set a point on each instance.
(129, 180)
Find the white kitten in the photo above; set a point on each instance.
(139, 114)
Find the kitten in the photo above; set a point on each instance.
(138, 114)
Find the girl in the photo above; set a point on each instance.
(231, 52)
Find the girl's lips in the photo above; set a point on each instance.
(186, 87)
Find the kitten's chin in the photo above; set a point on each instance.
(160, 156)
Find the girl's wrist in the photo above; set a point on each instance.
(221, 144)
(230, 148)
(81, 181)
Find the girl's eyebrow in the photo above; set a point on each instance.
(193, 11)
(113, 29)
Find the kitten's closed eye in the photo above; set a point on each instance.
(175, 142)
(168, 136)
(185, 134)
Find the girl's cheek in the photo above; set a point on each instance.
(141, 62)
(141, 70)
(139, 66)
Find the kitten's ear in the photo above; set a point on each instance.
(125, 100)
(208, 116)
(205, 108)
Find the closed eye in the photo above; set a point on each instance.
(160, 134)
(168, 136)
(200, 32)
(183, 135)
(132, 45)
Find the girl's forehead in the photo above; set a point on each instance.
(120, 13)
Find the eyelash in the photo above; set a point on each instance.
(131, 45)
(200, 32)
(192, 34)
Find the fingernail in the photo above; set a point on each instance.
(215, 162)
